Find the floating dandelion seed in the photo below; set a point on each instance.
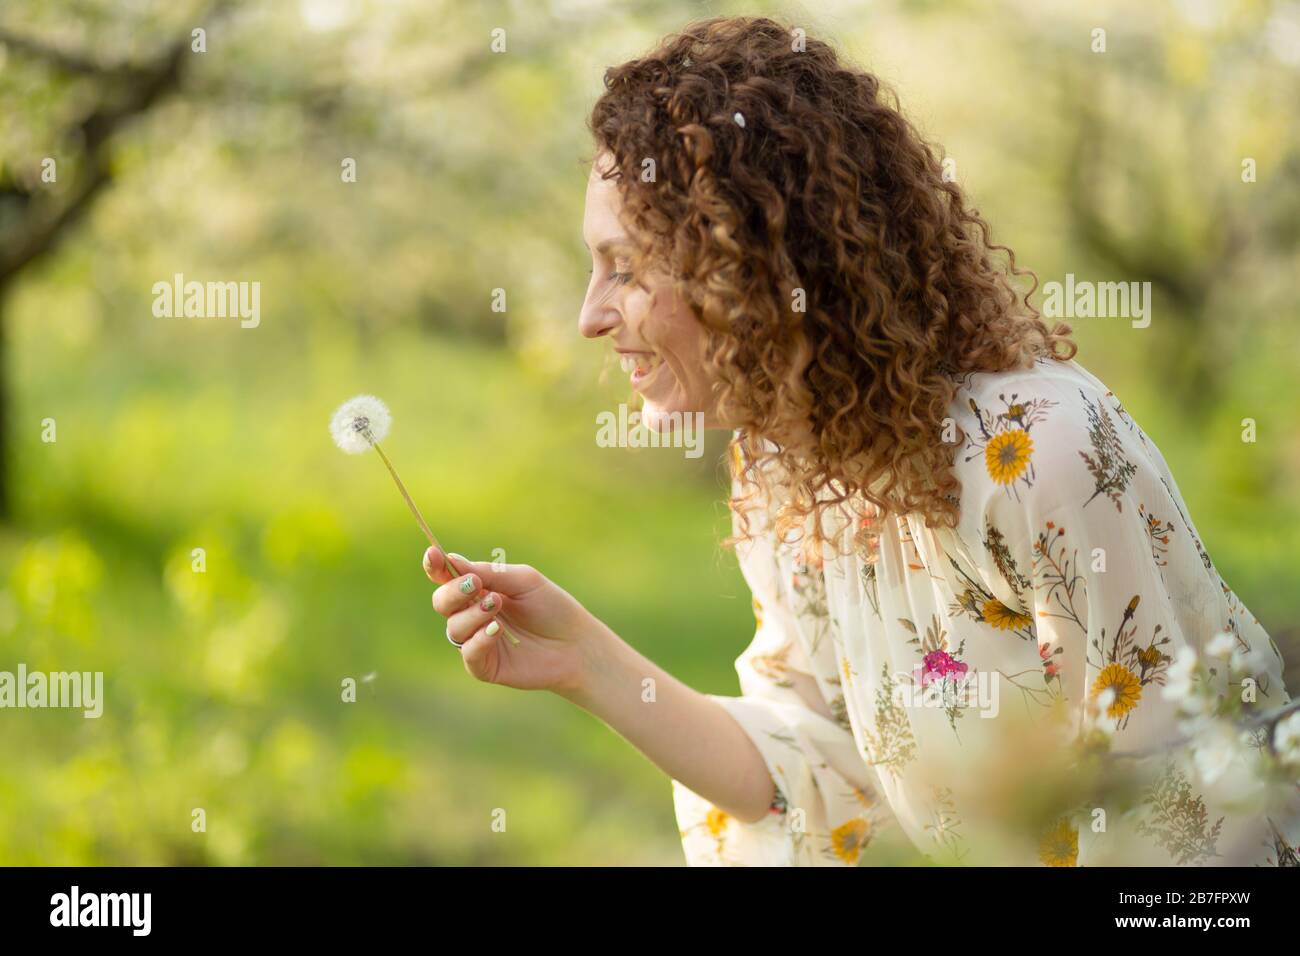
(360, 424)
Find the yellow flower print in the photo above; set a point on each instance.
(1127, 687)
(1003, 617)
(1151, 657)
(848, 839)
(1060, 845)
(716, 821)
(758, 613)
(864, 797)
(1007, 455)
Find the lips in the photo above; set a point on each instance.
(639, 363)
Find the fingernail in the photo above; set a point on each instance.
(457, 557)
(492, 628)
(468, 586)
(489, 603)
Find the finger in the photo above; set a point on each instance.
(478, 651)
(462, 625)
(457, 594)
(513, 579)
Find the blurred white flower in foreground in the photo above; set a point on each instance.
(1247, 662)
(1215, 752)
(1102, 721)
(1227, 763)
(359, 423)
(1286, 739)
(1221, 646)
(1178, 679)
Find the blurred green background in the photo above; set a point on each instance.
(223, 688)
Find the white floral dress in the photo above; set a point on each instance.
(1075, 575)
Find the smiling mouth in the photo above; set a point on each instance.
(639, 364)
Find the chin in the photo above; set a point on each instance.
(672, 415)
(659, 418)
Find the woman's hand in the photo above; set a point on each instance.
(557, 635)
(566, 649)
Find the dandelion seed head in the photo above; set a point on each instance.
(359, 423)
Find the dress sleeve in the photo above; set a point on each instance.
(1090, 524)
(826, 806)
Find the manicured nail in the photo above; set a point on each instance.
(489, 603)
(468, 586)
(492, 628)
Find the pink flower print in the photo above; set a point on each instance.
(939, 665)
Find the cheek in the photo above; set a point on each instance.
(683, 350)
(662, 325)
(638, 312)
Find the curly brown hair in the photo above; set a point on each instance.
(844, 284)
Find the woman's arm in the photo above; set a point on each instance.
(566, 649)
(689, 736)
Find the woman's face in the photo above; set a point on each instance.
(659, 342)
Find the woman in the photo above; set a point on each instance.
(945, 521)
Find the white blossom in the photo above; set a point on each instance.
(1227, 763)
(1178, 679)
(1183, 664)
(1221, 646)
(1247, 662)
(1103, 722)
(1286, 739)
(1214, 752)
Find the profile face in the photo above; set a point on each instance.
(659, 341)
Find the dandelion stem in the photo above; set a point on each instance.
(409, 503)
(424, 526)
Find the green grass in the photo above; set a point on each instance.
(224, 688)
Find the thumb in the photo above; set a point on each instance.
(439, 567)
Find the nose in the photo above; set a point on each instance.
(598, 318)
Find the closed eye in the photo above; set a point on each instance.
(622, 278)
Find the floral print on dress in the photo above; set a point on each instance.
(945, 825)
(1074, 575)
(890, 743)
(1003, 441)
(1059, 845)
(1158, 531)
(980, 604)
(1110, 470)
(939, 672)
(1178, 819)
(1127, 664)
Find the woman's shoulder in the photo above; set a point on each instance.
(1045, 436)
(1064, 381)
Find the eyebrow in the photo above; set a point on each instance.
(613, 242)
